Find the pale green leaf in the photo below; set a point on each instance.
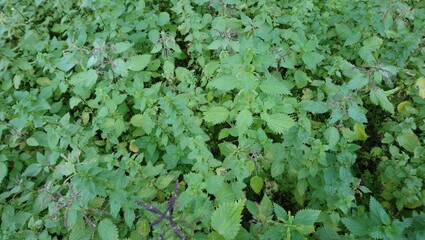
(274, 87)
(373, 43)
(256, 184)
(216, 115)
(311, 59)
(379, 97)
(343, 31)
(122, 46)
(66, 62)
(225, 83)
(120, 67)
(84, 79)
(408, 141)
(139, 62)
(357, 113)
(332, 136)
(107, 230)
(306, 217)
(278, 122)
(163, 18)
(143, 121)
(32, 142)
(226, 219)
(301, 79)
(317, 107)
(243, 120)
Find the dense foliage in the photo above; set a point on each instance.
(212, 119)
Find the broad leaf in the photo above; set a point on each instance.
(216, 115)
(107, 230)
(226, 219)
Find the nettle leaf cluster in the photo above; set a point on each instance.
(205, 119)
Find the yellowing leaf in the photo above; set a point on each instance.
(256, 184)
(420, 83)
(359, 130)
(401, 107)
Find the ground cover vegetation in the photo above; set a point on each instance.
(212, 119)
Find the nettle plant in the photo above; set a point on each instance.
(203, 119)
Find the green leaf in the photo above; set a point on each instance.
(143, 121)
(301, 79)
(379, 97)
(139, 62)
(355, 37)
(243, 120)
(256, 184)
(317, 107)
(107, 230)
(32, 142)
(311, 59)
(3, 171)
(216, 115)
(373, 43)
(163, 18)
(66, 62)
(357, 113)
(278, 122)
(408, 141)
(306, 217)
(343, 31)
(280, 212)
(121, 67)
(377, 211)
(225, 83)
(356, 227)
(84, 79)
(273, 86)
(227, 217)
(332, 136)
(122, 47)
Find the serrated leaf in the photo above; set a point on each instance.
(84, 79)
(357, 82)
(312, 59)
(373, 43)
(120, 67)
(122, 47)
(377, 211)
(139, 62)
(343, 31)
(306, 217)
(273, 86)
(278, 122)
(216, 115)
(356, 113)
(355, 227)
(355, 37)
(256, 184)
(225, 83)
(379, 97)
(107, 230)
(243, 120)
(279, 211)
(317, 107)
(301, 79)
(66, 62)
(408, 141)
(226, 219)
(332, 136)
(143, 121)
(3, 171)
(129, 216)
